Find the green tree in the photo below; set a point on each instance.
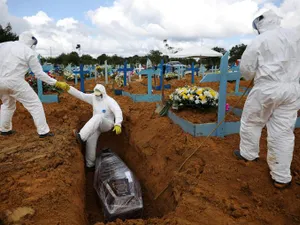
(74, 58)
(155, 56)
(215, 61)
(6, 34)
(88, 60)
(219, 49)
(101, 59)
(116, 60)
(134, 59)
(236, 52)
(43, 60)
(62, 59)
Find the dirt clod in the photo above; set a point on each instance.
(17, 214)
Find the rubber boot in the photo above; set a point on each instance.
(7, 133)
(49, 134)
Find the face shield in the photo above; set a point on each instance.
(98, 93)
(34, 43)
(255, 23)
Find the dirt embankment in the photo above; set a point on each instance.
(44, 175)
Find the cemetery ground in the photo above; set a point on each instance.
(43, 181)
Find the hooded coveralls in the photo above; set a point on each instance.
(273, 59)
(106, 114)
(15, 60)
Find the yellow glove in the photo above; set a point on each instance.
(118, 129)
(62, 85)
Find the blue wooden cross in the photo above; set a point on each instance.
(125, 70)
(193, 71)
(161, 74)
(82, 70)
(223, 77)
(149, 97)
(46, 98)
(81, 78)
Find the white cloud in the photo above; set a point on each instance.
(67, 23)
(40, 19)
(246, 41)
(177, 19)
(130, 27)
(18, 24)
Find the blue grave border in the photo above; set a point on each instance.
(42, 97)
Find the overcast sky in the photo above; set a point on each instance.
(129, 27)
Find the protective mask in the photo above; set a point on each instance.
(256, 21)
(98, 94)
(34, 43)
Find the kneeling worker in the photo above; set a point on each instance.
(107, 114)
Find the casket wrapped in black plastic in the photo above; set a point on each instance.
(118, 189)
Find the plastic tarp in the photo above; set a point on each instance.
(117, 187)
(196, 52)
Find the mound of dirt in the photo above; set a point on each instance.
(47, 178)
(46, 175)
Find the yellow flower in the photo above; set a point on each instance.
(184, 90)
(184, 96)
(202, 97)
(199, 92)
(213, 93)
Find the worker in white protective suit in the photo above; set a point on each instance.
(273, 60)
(15, 60)
(107, 114)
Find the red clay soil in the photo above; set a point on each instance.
(212, 188)
(45, 175)
(198, 116)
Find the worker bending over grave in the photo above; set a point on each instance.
(16, 58)
(273, 60)
(107, 114)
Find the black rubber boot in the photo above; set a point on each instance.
(237, 155)
(80, 142)
(7, 133)
(78, 138)
(90, 169)
(49, 134)
(281, 186)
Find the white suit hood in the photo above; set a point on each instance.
(101, 88)
(27, 38)
(270, 21)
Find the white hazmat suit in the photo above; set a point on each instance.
(273, 60)
(106, 114)
(15, 60)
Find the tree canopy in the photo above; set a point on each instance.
(236, 52)
(6, 34)
(154, 55)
